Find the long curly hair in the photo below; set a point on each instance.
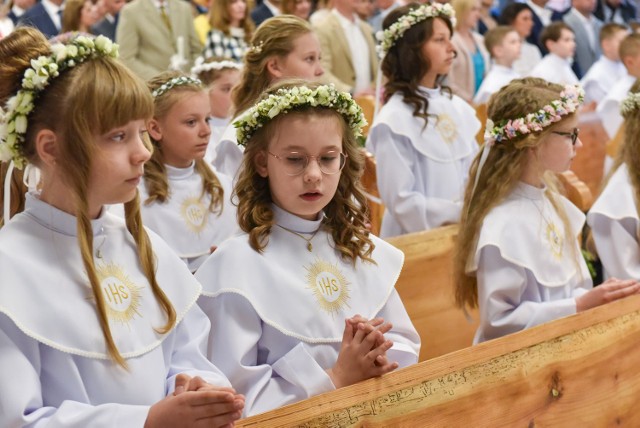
(501, 173)
(404, 65)
(155, 172)
(88, 100)
(346, 214)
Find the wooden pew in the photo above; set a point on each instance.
(576, 371)
(426, 288)
(576, 190)
(481, 114)
(589, 161)
(369, 181)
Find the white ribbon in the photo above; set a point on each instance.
(7, 194)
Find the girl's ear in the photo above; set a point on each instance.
(260, 162)
(153, 127)
(273, 67)
(47, 147)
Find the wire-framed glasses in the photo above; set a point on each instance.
(573, 135)
(294, 163)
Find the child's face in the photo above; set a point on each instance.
(611, 46)
(220, 93)
(302, 62)
(118, 166)
(510, 47)
(438, 50)
(184, 131)
(557, 151)
(632, 64)
(302, 9)
(473, 15)
(565, 47)
(307, 193)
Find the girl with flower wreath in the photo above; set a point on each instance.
(219, 76)
(282, 47)
(614, 217)
(424, 137)
(518, 259)
(98, 322)
(184, 200)
(319, 306)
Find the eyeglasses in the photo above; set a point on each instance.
(295, 163)
(573, 135)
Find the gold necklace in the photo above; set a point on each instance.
(309, 245)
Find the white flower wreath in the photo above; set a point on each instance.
(172, 83)
(14, 120)
(388, 37)
(630, 103)
(287, 99)
(201, 66)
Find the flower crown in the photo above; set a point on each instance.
(176, 81)
(201, 66)
(570, 99)
(388, 37)
(630, 103)
(13, 122)
(286, 99)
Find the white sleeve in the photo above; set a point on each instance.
(617, 245)
(504, 307)
(235, 347)
(21, 391)
(228, 158)
(188, 354)
(406, 341)
(413, 210)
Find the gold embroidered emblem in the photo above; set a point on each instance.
(446, 127)
(329, 285)
(121, 295)
(555, 240)
(194, 214)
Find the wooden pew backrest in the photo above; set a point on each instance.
(426, 289)
(369, 181)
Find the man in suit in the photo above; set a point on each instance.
(265, 10)
(542, 17)
(619, 11)
(586, 28)
(46, 16)
(348, 49)
(18, 8)
(107, 26)
(148, 43)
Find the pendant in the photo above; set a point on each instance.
(309, 246)
(98, 253)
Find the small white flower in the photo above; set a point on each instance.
(21, 124)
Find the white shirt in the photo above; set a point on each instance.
(293, 304)
(53, 10)
(422, 173)
(272, 7)
(614, 223)
(555, 69)
(530, 56)
(498, 76)
(609, 108)
(543, 13)
(529, 269)
(51, 339)
(601, 77)
(185, 221)
(360, 56)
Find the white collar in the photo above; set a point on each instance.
(55, 219)
(174, 173)
(275, 10)
(295, 223)
(542, 12)
(343, 19)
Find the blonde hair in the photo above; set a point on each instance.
(220, 19)
(275, 37)
(155, 172)
(501, 173)
(462, 9)
(88, 100)
(630, 46)
(72, 15)
(346, 214)
(495, 37)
